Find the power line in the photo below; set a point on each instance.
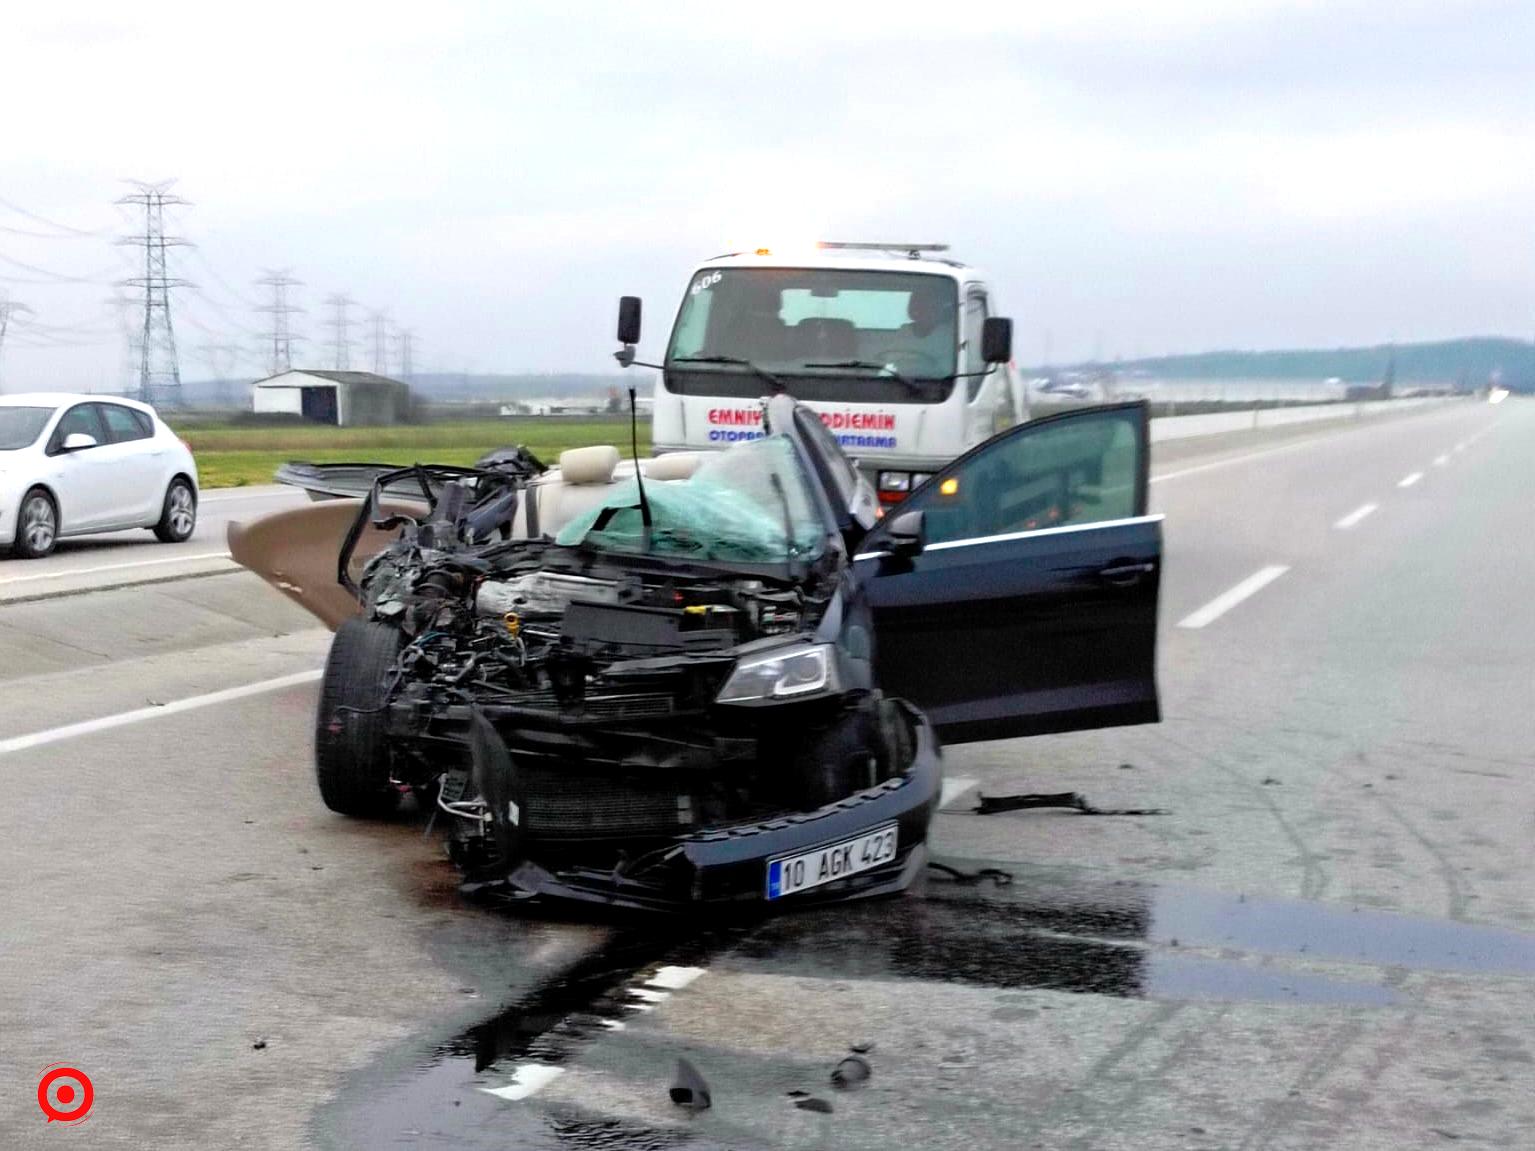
(280, 337)
(54, 224)
(159, 371)
(340, 320)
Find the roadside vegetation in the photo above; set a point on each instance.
(238, 453)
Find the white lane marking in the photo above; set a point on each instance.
(65, 573)
(614, 1024)
(953, 788)
(1229, 599)
(1408, 480)
(1232, 461)
(674, 978)
(527, 1080)
(138, 715)
(1440, 461)
(1460, 447)
(1354, 517)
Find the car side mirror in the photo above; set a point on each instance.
(907, 534)
(77, 441)
(629, 319)
(997, 339)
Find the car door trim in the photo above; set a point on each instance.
(1007, 536)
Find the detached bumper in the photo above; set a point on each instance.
(728, 866)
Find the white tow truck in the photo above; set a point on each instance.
(896, 348)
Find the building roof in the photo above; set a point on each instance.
(351, 379)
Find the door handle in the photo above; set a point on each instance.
(1126, 574)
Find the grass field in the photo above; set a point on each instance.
(229, 455)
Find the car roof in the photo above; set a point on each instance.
(59, 399)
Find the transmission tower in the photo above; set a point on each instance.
(8, 308)
(159, 373)
(406, 337)
(279, 340)
(380, 322)
(340, 320)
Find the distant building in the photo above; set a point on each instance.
(347, 399)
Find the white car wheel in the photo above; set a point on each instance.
(38, 526)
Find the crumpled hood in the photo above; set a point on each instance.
(296, 551)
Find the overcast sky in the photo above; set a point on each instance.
(1143, 178)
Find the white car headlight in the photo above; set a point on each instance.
(782, 675)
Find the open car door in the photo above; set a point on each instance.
(1027, 602)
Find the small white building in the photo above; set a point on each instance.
(347, 399)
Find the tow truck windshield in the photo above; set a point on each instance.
(841, 334)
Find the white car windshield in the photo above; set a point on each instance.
(20, 427)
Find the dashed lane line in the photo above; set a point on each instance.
(1355, 516)
(1230, 598)
(1409, 479)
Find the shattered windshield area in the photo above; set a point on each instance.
(750, 504)
(20, 427)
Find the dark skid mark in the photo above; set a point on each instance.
(439, 1102)
(1005, 944)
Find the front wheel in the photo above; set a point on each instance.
(178, 514)
(351, 743)
(37, 525)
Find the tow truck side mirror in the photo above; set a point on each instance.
(996, 339)
(907, 534)
(628, 320)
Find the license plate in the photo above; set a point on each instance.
(836, 861)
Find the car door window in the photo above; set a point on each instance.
(82, 419)
(124, 424)
(1076, 469)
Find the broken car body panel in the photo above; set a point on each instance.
(681, 698)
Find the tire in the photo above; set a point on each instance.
(351, 742)
(37, 525)
(178, 513)
(845, 755)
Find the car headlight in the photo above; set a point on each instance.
(782, 675)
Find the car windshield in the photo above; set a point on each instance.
(20, 427)
(750, 504)
(815, 319)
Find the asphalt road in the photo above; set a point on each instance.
(1321, 944)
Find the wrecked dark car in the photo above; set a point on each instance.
(716, 678)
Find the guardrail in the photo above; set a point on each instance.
(1218, 423)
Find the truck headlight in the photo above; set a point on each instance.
(782, 675)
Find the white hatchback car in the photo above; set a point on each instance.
(77, 464)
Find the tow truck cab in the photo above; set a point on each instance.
(897, 348)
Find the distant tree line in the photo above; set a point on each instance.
(1471, 361)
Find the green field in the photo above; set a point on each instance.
(232, 455)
